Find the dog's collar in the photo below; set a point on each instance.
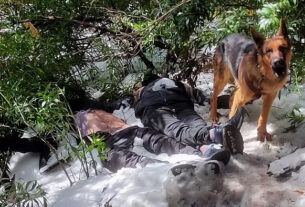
(256, 89)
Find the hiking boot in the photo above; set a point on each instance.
(212, 168)
(229, 137)
(215, 152)
(228, 134)
(51, 163)
(178, 169)
(238, 119)
(208, 168)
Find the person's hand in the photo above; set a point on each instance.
(122, 102)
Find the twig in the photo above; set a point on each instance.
(159, 5)
(59, 161)
(46, 142)
(171, 10)
(85, 167)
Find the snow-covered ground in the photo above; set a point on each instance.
(244, 181)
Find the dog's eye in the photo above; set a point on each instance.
(268, 50)
(283, 49)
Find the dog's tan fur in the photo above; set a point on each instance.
(258, 68)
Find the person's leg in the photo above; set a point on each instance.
(118, 158)
(23, 145)
(188, 116)
(167, 122)
(121, 144)
(228, 134)
(157, 143)
(120, 155)
(232, 138)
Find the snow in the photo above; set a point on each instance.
(244, 181)
(288, 163)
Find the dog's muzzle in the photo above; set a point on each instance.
(279, 67)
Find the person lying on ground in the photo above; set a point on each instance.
(119, 139)
(167, 106)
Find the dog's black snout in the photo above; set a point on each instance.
(278, 63)
(279, 66)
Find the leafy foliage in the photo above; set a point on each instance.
(295, 118)
(27, 194)
(98, 144)
(54, 54)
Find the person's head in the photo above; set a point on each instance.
(148, 78)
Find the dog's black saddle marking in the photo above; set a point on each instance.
(232, 48)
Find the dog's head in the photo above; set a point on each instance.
(275, 52)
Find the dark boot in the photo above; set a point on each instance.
(215, 152)
(238, 119)
(228, 134)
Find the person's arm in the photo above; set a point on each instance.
(129, 101)
(122, 102)
(195, 94)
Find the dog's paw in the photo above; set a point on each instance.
(264, 135)
(214, 118)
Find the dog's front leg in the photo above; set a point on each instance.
(213, 108)
(239, 99)
(262, 133)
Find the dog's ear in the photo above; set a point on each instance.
(283, 30)
(258, 38)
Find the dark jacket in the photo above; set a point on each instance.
(162, 92)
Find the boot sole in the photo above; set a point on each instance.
(233, 140)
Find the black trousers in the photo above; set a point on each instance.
(17, 144)
(121, 144)
(179, 121)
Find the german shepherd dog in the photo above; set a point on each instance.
(258, 67)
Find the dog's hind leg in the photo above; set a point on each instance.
(222, 76)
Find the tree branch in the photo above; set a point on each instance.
(125, 33)
(171, 10)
